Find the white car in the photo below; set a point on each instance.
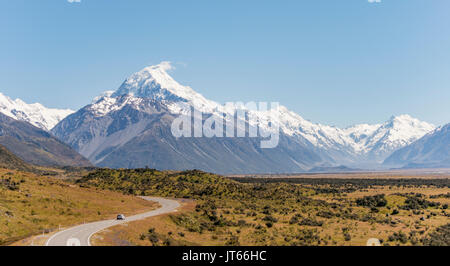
(120, 217)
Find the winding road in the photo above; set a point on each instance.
(80, 235)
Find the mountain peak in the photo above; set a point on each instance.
(35, 114)
(397, 132)
(401, 117)
(154, 82)
(405, 120)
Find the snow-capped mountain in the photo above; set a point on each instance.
(359, 143)
(397, 132)
(136, 132)
(35, 114)
(155, 83)
(152, 91)
(431, 151)
(376, 141)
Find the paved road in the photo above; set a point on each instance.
(80, 235)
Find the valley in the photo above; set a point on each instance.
(282, 211)
(319, 186)
(397, 207)
(240, 132)
(131, 127)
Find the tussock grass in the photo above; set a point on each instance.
(31, 204)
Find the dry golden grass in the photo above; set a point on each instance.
(406, 221)
(331, 231)
(129, 233)
(45, 204)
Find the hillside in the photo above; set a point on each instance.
(31, 204)
(185, 184)
(36, 146)
(9, 161)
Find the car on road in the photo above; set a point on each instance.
(120, 217)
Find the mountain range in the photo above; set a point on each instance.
(431, 151)
(131, 127)
(35, 114)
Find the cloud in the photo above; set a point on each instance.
(374, 1)
(166, 65)
(74, 1)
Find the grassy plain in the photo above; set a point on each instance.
(282, 211)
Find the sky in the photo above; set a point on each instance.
(335, 62)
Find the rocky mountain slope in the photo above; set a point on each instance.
(130, 127)
(431, 151)
(10, 161)
(36, 146)
(140, 136)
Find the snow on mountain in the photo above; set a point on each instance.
(397, 132)
(154, 82)
(35, 114)
(375, 141)
(431, 151)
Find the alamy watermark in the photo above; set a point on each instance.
(234, 120)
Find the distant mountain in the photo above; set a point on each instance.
(10, 161)
(335, 169)
(139, 135)
(431, 151)
(35, 114)
(130, 127)
(36, 146)
(379, 141)
(359, 144)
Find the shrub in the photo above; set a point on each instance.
(347, 237)
(269, 218)
(440, 237)
(416, 202)
(325, 214)
(233, 241)
(394, 212)
(241, 223)
(400, 236)
(372, 201)
(154, 239)
(295, 219)
(310, 222)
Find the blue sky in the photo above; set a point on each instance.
(337, 62)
